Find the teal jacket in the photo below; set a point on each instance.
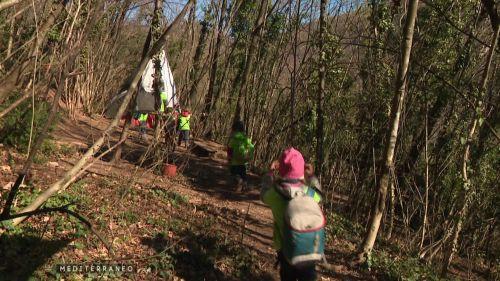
(276, 194)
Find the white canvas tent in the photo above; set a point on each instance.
(146, 89)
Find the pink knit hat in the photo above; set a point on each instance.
(291, 164)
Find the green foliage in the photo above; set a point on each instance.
(75, 196)
(54, 35)
(244, 20)
(67, 150)
(155, 221)
(128, 217)
(25, 196)
(16, 126)
(172, 197)
(47, 149)
(393, 268)
(163, 265)
(339, 226)
(175, 225)
(382, 17)
(209, 249)
(276, 24)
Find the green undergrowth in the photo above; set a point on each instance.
(338, 226)
(22, 125)
(202, 254)
(174, 198)
(72, 198)
(172, 241)
(400, 268)
(393, 264)
(27, 249)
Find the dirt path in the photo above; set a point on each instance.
(205, 181)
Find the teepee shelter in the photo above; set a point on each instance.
(146, 98)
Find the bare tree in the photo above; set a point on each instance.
(321, 90)
(252, 51)
(392, 133)
(215, 59)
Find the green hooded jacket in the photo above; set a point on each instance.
(241, 148)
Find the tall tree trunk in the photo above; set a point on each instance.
(194, 76)
(156, 33)
(293, 76)
(215, 59)
(117, 155)
(397, 104)
(252, 51)
(13, 79)
(391, 211)
(321, 90)
(464, 196)
(426, 195)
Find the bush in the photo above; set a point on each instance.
(15, 128)
(339, 226)
(400, 269)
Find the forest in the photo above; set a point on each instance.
(394, 104)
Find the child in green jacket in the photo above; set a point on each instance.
(239, 151)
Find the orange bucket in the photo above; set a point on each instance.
(169, 170)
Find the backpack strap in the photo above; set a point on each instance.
(281, 191)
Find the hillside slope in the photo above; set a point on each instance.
(191, 227)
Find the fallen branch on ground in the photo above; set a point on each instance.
(62, 209)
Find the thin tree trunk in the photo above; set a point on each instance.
(397, 104)
(249, 61)
(426, 196)
(126, 126)
(11, 38)
(321, 91)
(156, 33)
(392, 201)
(197, 62)
(215, 58)
(293, 76)
(9, 3)
(11, 81)
(464, 196)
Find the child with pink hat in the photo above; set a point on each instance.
(276, 192)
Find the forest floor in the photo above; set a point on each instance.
(190, 227)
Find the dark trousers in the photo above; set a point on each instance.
(142, 128)
(183, 136)
(239, 171)
(289, 272)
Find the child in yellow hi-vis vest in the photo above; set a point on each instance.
(143, 119)
(184, 127)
